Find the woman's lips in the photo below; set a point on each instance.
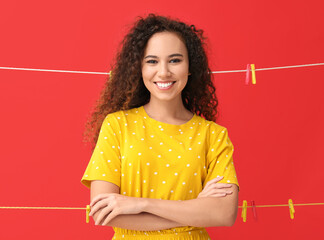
(164, 85)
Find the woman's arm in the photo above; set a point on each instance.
(140, 222)
(200, 212)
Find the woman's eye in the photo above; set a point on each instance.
(176, 60)
(151, 61)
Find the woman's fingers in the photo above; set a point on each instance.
(102, 215)
(98, 198)
(215, 189)
(218, 195)
(214, 180)
(221, 185)
(98, 206)
(220, 191)
(217, 186)
(111, 215)
(215, 192)
(104, 201)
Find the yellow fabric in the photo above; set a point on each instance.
(151, 159)
(185, 233)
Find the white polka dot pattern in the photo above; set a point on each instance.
(173, 164)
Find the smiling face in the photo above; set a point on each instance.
(165, 67)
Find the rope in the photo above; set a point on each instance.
(105, 73)
(244, 208)
(271, 68)
(71, 208)
(65, 208)
(284, 205)
(76, 208)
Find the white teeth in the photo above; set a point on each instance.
(164, 85)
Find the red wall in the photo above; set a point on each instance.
(276, 125)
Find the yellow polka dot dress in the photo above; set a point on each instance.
(151, 159)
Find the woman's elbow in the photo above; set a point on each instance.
(230, 219)
(226, 220)
(229, 223)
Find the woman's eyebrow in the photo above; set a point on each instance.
(170, 56)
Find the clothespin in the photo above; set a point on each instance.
(253, 74)
(87, 213)
(244, 208)
(291, 208)
(247, 77)
(254, 210)
(110, 74)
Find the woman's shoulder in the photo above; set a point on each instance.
(121, 115)
(208, 124)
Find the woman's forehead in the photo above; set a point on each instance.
(164, 44)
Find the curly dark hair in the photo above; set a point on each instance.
(125, 89)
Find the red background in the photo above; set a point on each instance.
(275, 125)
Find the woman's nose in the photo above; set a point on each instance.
(164, 70)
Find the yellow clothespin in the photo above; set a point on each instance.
(253, 74)
(244, 208)
(291, 208)
(87, 213)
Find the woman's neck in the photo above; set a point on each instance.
(167, 112)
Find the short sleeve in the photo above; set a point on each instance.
(220, 158)
(105, 163)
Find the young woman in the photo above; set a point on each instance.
(161, 168)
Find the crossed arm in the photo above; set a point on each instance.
(153, 214)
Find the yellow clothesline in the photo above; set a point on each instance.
(109, 73)
(290, 205)
(87, 208)
(284, 205)
(249, 69)
(43, 208)
(244, 208)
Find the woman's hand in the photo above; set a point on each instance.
(113, 204)
(214, 189)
